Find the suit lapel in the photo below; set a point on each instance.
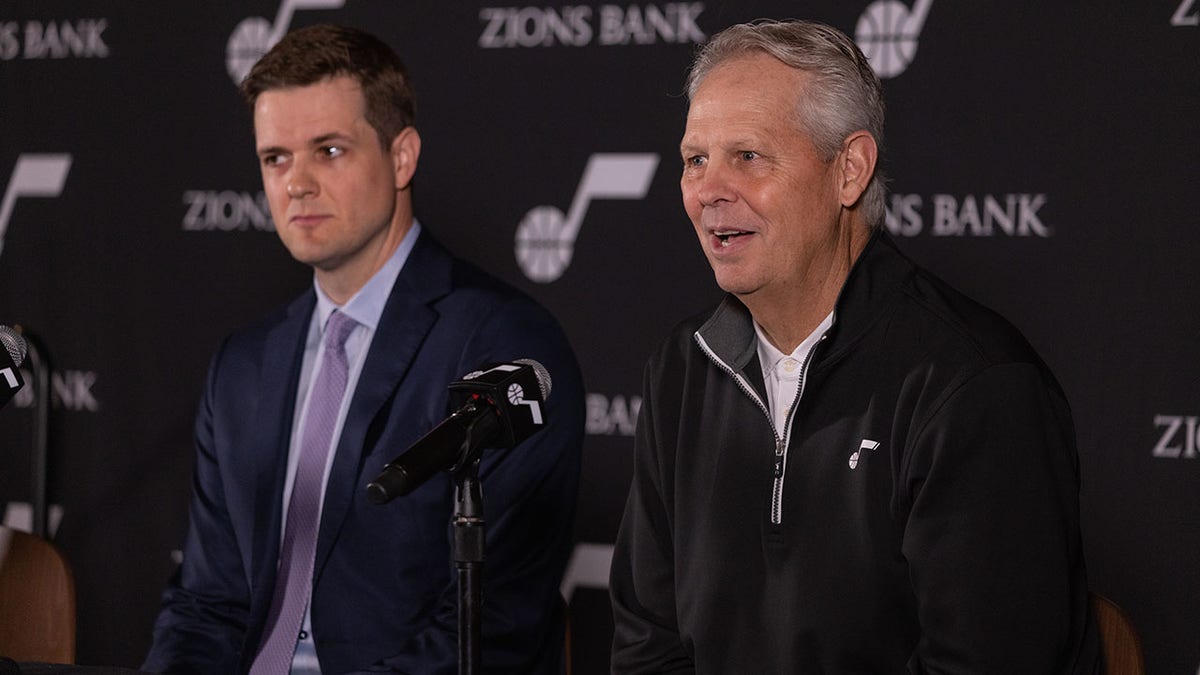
(406, 321)
(283, 351)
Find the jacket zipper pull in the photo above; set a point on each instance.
(778, 458)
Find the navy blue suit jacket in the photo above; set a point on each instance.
(384, 589)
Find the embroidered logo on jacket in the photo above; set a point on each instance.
(867, 444)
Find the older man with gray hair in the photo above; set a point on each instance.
(847, 466)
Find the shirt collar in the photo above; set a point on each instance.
(366, 306)
(771, 358)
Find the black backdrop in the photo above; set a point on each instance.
(1044, 158)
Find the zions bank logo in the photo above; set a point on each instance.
(78, 39)
(614, 415)
(580, 25)
(1187, 14)
(226, 211)
(1177, 437)
(945, 215)
(35, 175)
(887, 33)
(254, 36)
(545, 241)
(70, 390)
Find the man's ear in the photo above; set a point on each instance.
(856, 165)
(406, 150)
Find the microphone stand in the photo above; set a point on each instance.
(468, 555)
(35, 357)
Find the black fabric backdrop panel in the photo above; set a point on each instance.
(1043, 157)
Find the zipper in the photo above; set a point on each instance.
(777, 485)
(781, 442)
(781, 445)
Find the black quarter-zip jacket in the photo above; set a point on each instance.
(920, 514)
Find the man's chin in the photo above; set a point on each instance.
(307, 252)
(739, 288)
(735, 284)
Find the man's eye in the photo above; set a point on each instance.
(694, 160)
(332, 151)
(748, 155)
(272, 160)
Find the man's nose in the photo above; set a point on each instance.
(301, 183)
(713, 185)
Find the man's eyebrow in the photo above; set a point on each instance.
(331, 136)
(314, 141)
(743, 141)
(688, 146)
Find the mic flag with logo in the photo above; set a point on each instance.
(497, 406)
(10, 360)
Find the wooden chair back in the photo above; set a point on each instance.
(37, 600)
(1119, 640)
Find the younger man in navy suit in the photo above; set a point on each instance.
(282, 536)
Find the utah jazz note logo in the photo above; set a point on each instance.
(34, 176)
(546, 238)
(867, 444)
(255, 36)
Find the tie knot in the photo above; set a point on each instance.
(337, 329)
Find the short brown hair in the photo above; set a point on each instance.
(308, 55)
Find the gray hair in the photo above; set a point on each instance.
(844, 94)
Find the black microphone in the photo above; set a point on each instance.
(11, 357)
(497, 406)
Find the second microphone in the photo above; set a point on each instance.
(497, 406)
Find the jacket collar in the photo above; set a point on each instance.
(407, 319)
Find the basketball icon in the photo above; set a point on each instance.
(887, 33)
(248, 42)
(543, 250)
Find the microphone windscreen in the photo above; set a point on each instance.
(543, 376)
(16, 345)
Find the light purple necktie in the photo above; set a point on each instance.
(293, 583)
